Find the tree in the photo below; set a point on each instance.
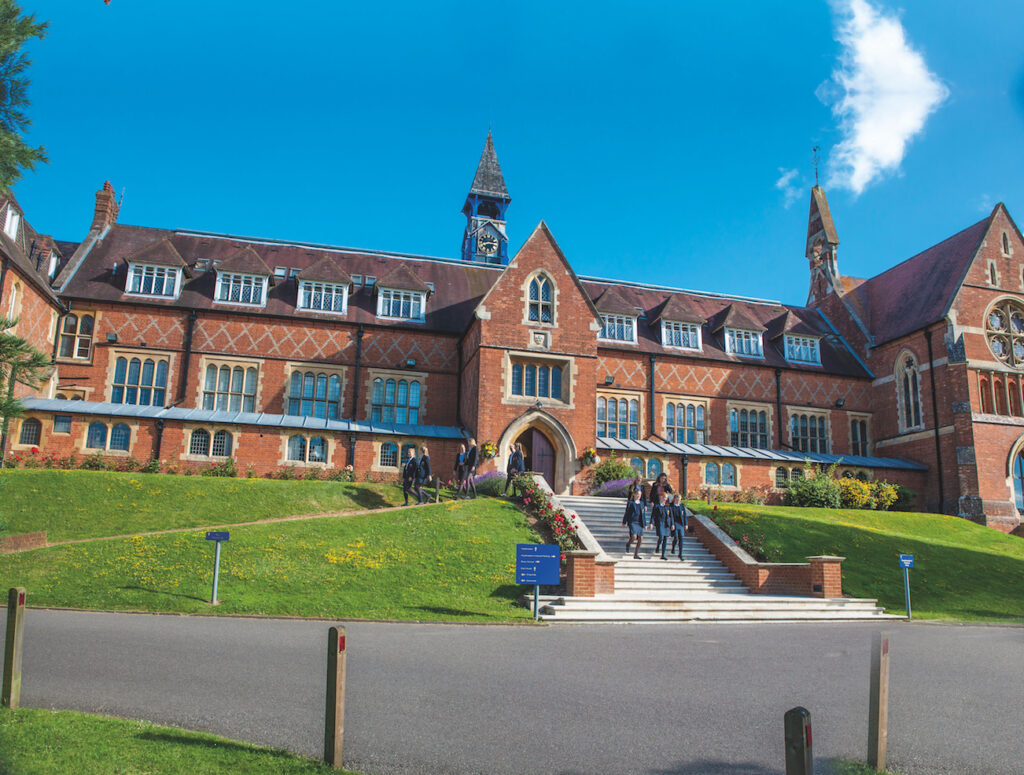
(19, 362)
(15, 154)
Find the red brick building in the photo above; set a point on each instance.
(194, 347)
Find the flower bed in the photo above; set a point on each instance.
(538, 503)
(616, 488)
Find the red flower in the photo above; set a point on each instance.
(35, 450)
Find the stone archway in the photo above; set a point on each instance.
(564, 447)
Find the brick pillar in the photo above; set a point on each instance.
(106, 208)
(580, 574)
(826, 576)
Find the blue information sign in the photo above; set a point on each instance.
(538, 564)
(218, 536)
(906, 561)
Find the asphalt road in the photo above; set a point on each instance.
(656, 699)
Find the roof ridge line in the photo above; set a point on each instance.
(709, 294)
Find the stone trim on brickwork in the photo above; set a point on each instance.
(288, 433)
(110, 422)
(565, 362)
(231, 361)
(525, 291)
(186, 441)
(142, 353)
(330, 369)
(396, 375)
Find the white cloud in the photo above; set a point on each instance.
(789, 186)
(882, 92)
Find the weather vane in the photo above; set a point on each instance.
(815, 159)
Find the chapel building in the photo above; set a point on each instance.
(193, 347)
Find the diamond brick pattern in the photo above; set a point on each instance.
(259, 337)
(392, 349)
(157, 329)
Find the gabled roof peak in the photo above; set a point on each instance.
(488, 179)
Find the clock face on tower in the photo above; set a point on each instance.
(487, 243)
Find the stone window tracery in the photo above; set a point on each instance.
(1004, 329)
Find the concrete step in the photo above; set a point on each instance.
(567, 615)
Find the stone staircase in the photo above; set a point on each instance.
(700, 588)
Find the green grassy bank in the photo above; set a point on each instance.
(86, 504)
(445, 561)
(42, 742)
(962, 570)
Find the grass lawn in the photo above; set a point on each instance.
(962, 570)
(87, 504)
(445, 561)
(40, 742)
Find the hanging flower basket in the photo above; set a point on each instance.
(489, 449)
(589, 456)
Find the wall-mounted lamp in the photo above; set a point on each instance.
(112, 338)
(609, 380)
(410, 362)
(840, 402)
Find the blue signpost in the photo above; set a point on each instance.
(907, 562)
(538, 564)
(217, 536)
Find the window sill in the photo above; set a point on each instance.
(164, 297)
(403, 320)
(532, 400)
(681, 348)
(73, 360)
(616, 341)
(247, 304)
(337, 312)
(112, 452)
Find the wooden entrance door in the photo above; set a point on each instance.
(540, 455)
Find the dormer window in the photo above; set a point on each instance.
(802, 349)
(739, 341)
(323, 297)
(403, 305)
(234, 288)
(618, 328)
(150, 280)
(682, 335)
(51, 268)
(12, 222)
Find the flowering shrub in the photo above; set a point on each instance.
(225, 468)
(884, 494)
(758, 494)
(616, 488)
(855, 494)
(612, 468)
(538, 503)
(817, 488)
(93, 462)
(488, 450)
(490, 483)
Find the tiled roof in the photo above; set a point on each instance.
(919, 291)
(735, 316)
(611, 302)
(402, 278)
(18, 250)
(244, 260)
(161, 252)
(790, 323)
(819, 220)
(674, 308)
(326, 270)
(488, 179)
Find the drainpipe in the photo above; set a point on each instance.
(189, 327)
(650, 410)
(935, 420)
(159, 438)
(778, 406)
(355, 394)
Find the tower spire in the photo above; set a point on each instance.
(485, 239)
(822, 247)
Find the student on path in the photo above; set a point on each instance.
(659, 487)
(679, 518)
(516, 466)
(635, 519)
(636, 484)
(472, 458)
(423, 472)
(661, 516)
(460, 469)
(409, 473)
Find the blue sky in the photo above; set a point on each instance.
(666, 142)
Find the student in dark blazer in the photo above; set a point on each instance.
(679, 518)
(459, 470)
(635, 519)
(423, 472)
(472, 459)
(636, 484)
(658, 486)
(661, 516)
(409, 474)
(516, 466)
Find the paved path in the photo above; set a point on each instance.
(659, 699)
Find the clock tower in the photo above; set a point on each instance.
(485, 239)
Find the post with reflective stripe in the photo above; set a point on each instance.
(799, 753)
(334, 719)
(878, 702)
(11, 697)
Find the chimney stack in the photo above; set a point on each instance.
(106, 208)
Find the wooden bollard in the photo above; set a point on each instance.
(334, 719)
(11, 696)
(878, 702)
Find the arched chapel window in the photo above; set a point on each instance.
(908, 392)
(1004, 329)
(540, 308)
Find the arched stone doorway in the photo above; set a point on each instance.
(551, 450)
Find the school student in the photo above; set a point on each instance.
(679, 518)
(409, 474)
(636, 484)
(460, 469)
(472, 459)
(658, 487)
(423, 472)
(516, 466)
(635, 519)
(661, 516)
